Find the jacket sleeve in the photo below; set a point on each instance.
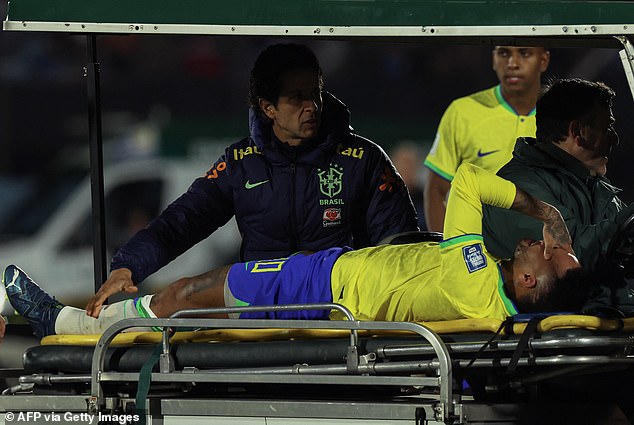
(390, 208)
(591, 242)
(206, 206)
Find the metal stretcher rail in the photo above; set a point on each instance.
(605, 342)
(355, 363)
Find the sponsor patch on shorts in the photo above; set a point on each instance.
(474, 258)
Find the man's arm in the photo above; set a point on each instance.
(189, 219)
(436, 189)
(204, 207)
(192, 217)
(555, 232)
(474, 187)
(471, 188)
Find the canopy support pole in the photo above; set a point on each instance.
(91, 72)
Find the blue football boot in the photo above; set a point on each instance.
(31, 302)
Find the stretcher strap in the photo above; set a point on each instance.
(145, 377)
(529, 331)
(504, 325)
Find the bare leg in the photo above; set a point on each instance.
(206, 290)
(202, 291)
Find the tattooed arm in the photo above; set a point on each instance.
(473, 187)
(555, 230)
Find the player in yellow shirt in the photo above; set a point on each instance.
(415, 282)
(457, 278)
(481, 129)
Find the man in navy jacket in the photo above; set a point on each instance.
(302, 181)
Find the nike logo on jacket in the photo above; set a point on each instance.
(249, 185)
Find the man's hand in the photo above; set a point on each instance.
(120, 280)
(555, 231)
(556, 235)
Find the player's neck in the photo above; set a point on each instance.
(522, 103)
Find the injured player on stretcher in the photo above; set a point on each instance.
(428, 281)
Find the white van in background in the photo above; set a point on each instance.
(59, 255)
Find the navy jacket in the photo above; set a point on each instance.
(338, 190)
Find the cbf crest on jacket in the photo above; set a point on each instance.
(337, 190)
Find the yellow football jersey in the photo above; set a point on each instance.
(455, 279)
(479, 129)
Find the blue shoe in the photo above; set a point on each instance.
(31, 302)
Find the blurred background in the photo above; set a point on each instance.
(176, 101)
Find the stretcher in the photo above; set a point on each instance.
(462, 371)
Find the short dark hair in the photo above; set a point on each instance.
(271, 64)
(568, 293)
(566, 100)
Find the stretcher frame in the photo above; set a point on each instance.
(547, 22)
(432, 365)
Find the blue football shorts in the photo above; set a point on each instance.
(298, 279)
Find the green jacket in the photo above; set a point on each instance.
(589, 205)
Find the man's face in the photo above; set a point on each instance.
(596, 140)
(296, 117)
(530, 252)
(519, 68)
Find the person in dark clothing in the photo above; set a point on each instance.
(302, 181)
(565, 166)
